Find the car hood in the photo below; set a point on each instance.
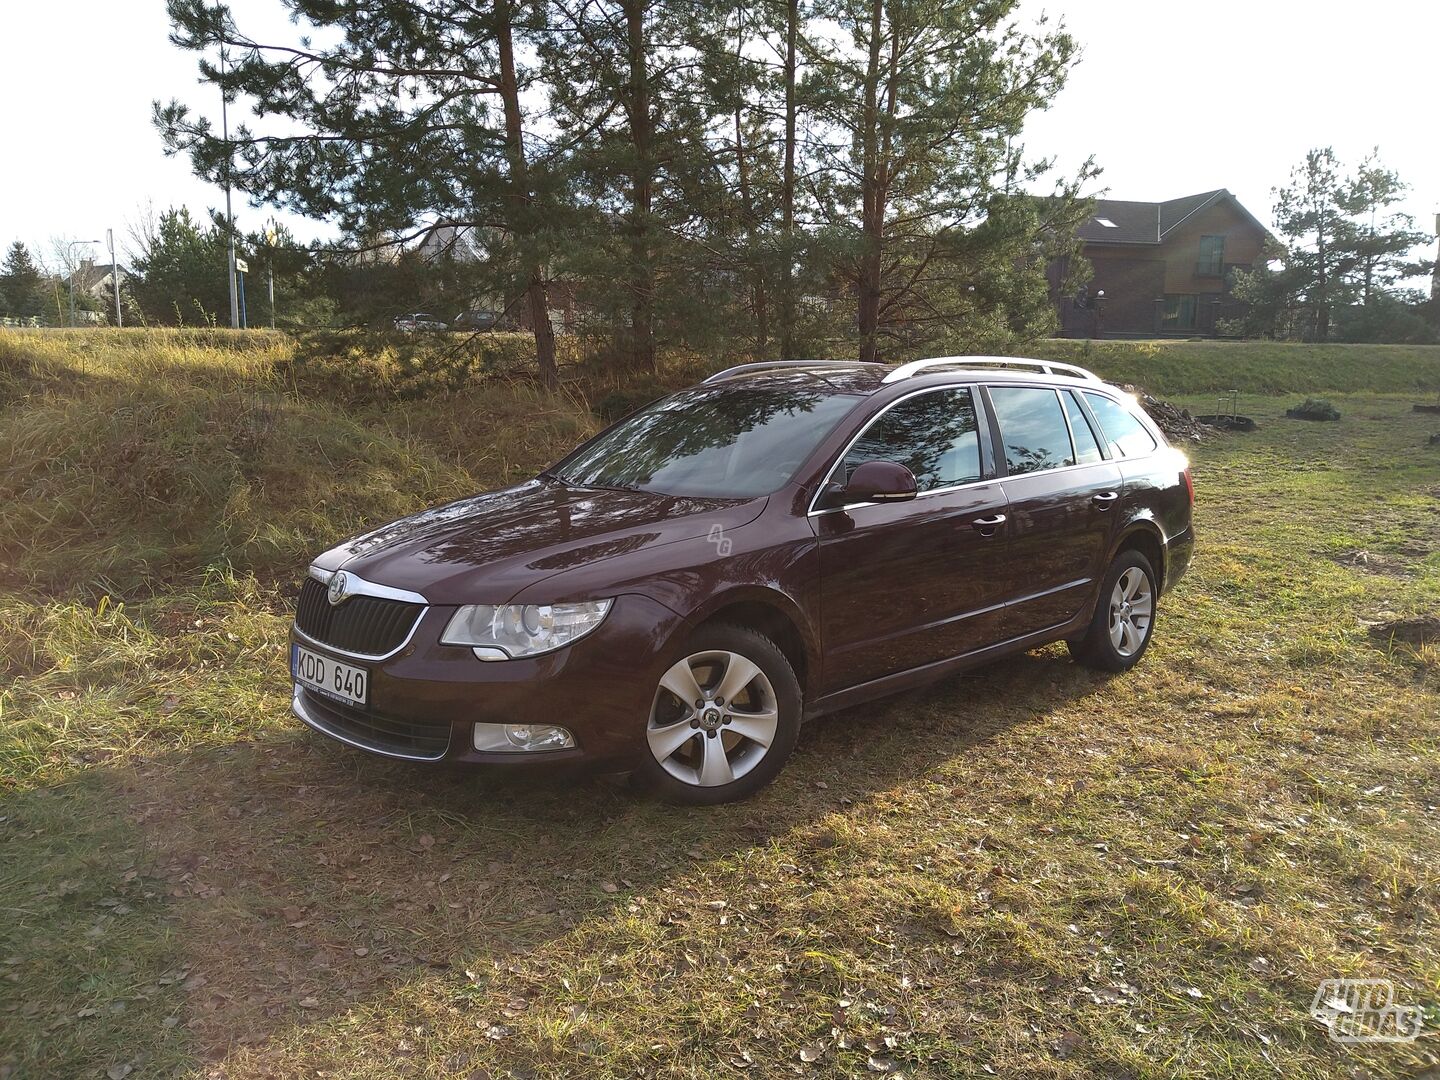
(486, 548)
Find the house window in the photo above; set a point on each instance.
(1107, 223)
(1180, 312)
(1212, 257)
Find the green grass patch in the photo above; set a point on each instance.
(1032, 870)
(1255, 367)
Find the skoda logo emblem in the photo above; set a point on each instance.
(339, 588)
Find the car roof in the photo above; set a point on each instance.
(856, 377)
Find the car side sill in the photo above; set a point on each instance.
(939, 669)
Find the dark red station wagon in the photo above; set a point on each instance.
(781, 541)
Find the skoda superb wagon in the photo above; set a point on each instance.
(674, 598)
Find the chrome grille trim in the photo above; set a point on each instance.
(365, 620)
(316, 713)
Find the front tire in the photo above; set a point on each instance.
(723, 721)
(1124, 620)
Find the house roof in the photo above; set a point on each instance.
(1117, 221)
(88, 275)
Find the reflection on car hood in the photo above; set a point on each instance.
(486, 548)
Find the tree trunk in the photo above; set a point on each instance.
(759, 302)
(642, 182)
(871, 212)
(1322, 301)
(787, 194)
(521, 198)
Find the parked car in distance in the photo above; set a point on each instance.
(474, 320)
(418, 321)
(784, 540)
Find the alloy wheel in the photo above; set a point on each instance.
(1132, 607)
(714, 718)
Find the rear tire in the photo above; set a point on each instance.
(723, 721)
(1124, 619)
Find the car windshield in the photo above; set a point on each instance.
(729, 442)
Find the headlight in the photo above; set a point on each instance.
(513, 630)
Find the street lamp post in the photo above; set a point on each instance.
(229, 214)
(70, 248)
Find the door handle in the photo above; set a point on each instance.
(1105, 499)
(986, 526)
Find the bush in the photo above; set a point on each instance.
(1313, 409)
(373, 365)
(1385, 320)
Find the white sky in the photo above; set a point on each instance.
(1171, 99)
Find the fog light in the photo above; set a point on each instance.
(520, 738)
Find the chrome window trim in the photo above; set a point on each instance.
(366, 588)
(812, 512)
(975, 403)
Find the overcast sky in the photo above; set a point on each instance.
(1170, 98)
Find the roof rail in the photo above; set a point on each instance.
(768, 365)
(1049, 367)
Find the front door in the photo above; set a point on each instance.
(1064, 499)
(907, 584)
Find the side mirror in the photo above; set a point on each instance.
(874, 481)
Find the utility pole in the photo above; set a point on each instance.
(270, 237)
(229, 215)
(114, 273)
(1435, 276)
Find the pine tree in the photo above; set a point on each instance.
(21, 283)
(1384, 236)
(627, 93)
(412, 114)
(1311, 214)
(923, 107)
(1343, 241)
(179, 277)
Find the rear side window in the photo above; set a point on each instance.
(1032, 429)
(1123, 431)
(1087, 450)
(934, 435)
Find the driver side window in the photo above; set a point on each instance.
(935, 435)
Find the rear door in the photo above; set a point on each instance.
(907, 584)
(1063, 493)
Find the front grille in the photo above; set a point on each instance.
(372, 731)
(367, 625)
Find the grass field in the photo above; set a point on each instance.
(1030, 871)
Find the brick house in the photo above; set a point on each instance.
(1164, 268)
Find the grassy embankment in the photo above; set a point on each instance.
(1034, 870)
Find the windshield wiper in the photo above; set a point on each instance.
(616, 485)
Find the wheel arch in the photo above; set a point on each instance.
(1144, 536)
(768, 612)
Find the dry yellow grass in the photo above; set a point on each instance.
(1033, 870)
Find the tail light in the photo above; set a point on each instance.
(1189, 484)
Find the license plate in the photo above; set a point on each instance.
(344, 681)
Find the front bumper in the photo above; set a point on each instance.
(424, 700)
